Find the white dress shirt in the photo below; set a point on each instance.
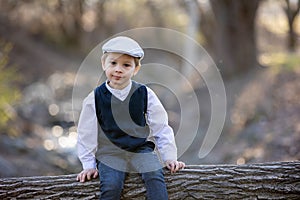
(157, 120)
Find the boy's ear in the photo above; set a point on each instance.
(103, 62)
(136, 70)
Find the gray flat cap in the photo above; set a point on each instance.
(125, 45)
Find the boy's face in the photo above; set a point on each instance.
(119, 68)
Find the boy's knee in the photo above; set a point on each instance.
(153, 175)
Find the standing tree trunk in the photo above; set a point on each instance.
(291, 12)
(279, 180)
(71, 20)
(235, 42)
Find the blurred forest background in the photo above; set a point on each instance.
(255, 44)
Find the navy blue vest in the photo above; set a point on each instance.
(123, 123)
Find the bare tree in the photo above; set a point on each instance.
(291, 11)
(156, 13)
(233, 35)
(71, 13)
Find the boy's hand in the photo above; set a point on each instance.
(174, 165)
(87, 174)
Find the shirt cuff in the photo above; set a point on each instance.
(168, 154)
(89, 165)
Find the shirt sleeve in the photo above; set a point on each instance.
(162, 133)
(87, 133)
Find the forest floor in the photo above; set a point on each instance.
(264, 120)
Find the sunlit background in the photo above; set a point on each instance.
(42, 44)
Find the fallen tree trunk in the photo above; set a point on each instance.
(278, 180)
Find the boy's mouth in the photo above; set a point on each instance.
(116, 77)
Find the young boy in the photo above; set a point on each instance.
(132, 125)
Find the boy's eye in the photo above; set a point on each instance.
(113, 63)
(127, 65)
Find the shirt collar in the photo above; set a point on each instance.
(120, 94)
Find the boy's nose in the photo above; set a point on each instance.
(118, 68)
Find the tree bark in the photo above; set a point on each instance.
(278, 180)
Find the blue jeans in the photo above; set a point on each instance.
(112, 182)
